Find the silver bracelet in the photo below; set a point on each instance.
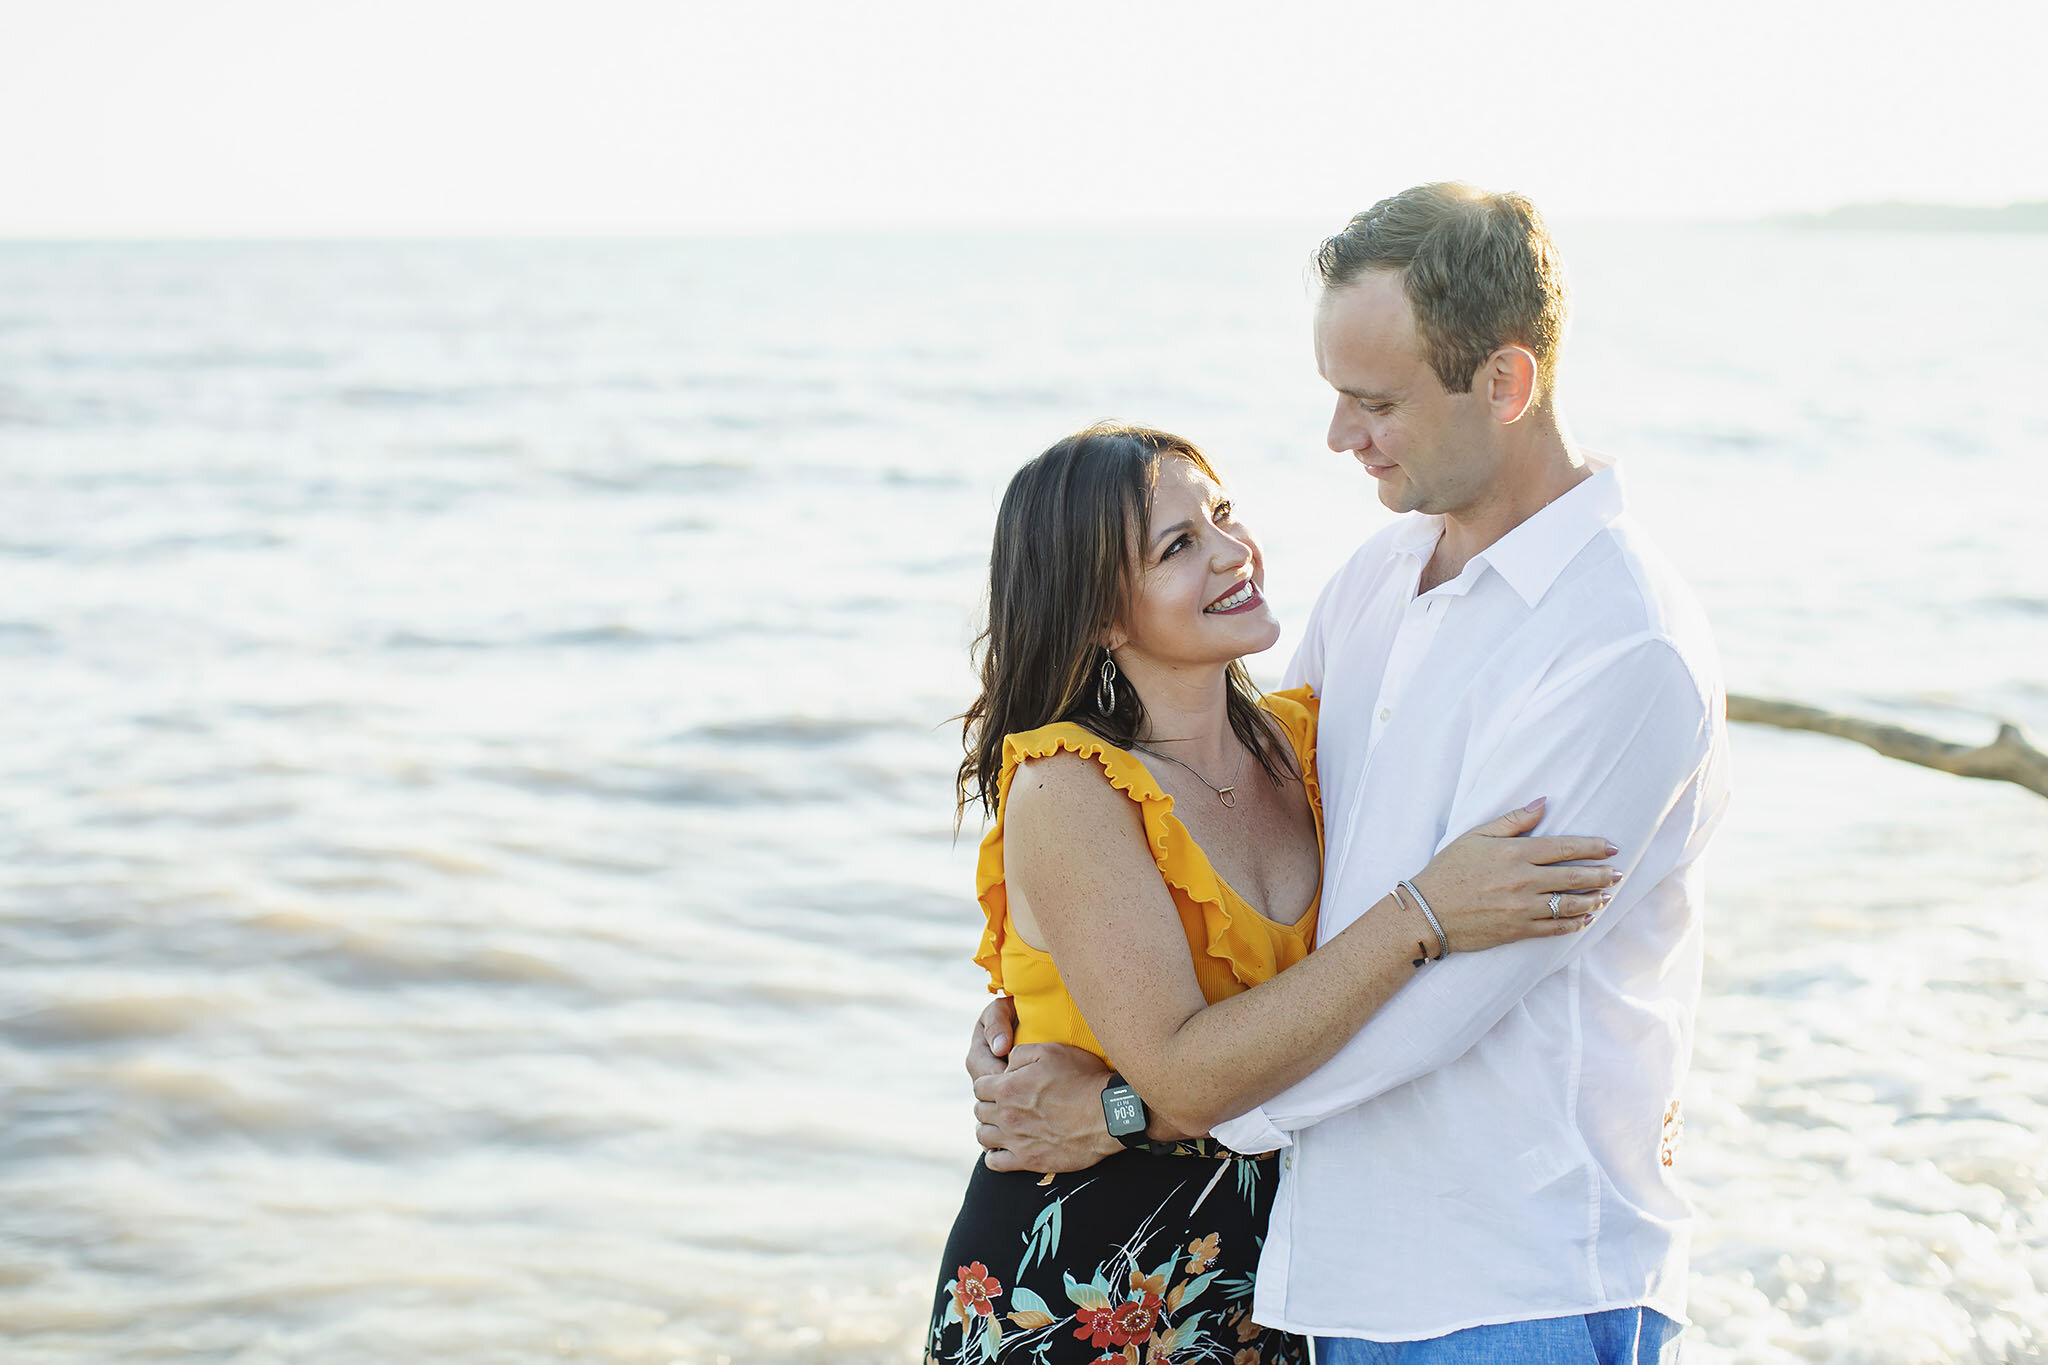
(1443, 943)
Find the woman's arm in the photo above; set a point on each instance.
(1075, 851)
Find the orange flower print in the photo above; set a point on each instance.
(1247, 1330)
(1202, 1253)
(1150, 1288)
(1248, 1356)
(972, 1294)
(1667, 1143)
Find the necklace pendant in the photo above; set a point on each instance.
(1227, 796)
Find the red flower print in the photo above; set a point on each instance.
(975, 1289)
(1098, 1327)
(1134, 1319)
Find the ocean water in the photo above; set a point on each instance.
(477, 878)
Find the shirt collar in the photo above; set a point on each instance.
(1531, 556)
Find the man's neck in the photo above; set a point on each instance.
(1543, 469)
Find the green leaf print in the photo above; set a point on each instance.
(1043, 1242)
(1195, 1288)
(1092, 1295)
(1025, 1301)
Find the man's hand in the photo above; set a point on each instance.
(993, 1033)
(1043, 1110)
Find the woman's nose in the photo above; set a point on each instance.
(1234, 551)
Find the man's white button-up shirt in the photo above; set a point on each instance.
(1495, 1145)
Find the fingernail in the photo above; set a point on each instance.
(1611, 849)
(999, 1040)
(1537, 804)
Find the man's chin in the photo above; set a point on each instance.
(1395, 495)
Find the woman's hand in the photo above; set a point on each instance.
(1492, 886)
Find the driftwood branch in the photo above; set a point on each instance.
(2008, 758)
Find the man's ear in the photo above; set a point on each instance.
(1510, 375)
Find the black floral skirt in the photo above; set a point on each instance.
(1144, 1259)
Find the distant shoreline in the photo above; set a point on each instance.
(1899, 216)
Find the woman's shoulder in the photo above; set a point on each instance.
(1068, 774)
(1295, 711)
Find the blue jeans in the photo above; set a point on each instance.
(1620, 1336)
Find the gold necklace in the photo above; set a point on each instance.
(1223, 794)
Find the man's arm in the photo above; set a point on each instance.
(1039, 1107)
(1616, 747)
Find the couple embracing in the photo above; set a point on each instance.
(1446, 1134)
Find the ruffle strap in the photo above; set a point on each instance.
(1248, 951)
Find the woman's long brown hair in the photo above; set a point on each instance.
(1059, 577)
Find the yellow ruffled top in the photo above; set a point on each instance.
(1233, 945)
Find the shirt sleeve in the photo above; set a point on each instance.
(1614, 747)
(1305, 669)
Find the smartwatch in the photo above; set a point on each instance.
(1123, 1111)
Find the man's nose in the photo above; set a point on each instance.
(1346, 433)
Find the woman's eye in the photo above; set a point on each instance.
(1173, 549)
(1223, 511)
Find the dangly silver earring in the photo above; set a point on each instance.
(1105, 687)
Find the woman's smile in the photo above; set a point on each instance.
(1243, 597)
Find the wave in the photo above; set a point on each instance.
(111, 1018)
(802, 732)
(726, 787)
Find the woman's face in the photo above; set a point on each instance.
(1195, 595)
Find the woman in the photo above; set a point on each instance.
(1151, 877)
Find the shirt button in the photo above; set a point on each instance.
(1386, 713)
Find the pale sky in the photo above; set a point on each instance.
(254, 117)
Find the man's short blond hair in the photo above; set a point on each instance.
(1480, 270)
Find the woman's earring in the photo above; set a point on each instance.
(1105, 687)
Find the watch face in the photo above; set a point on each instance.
(1124, 1110)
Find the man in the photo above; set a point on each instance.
(1483, 1172)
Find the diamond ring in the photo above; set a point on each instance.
(1555, 898)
